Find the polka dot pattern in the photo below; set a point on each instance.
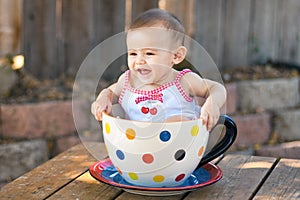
(150, 159)
(179, 177)
(201, 150)
(130, 134)
(120, 154)
(165, 136)
(179, 155)
(195, 130)
(107, 128)
(158, 178)
(133, 176)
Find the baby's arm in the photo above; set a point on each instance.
(214, 94)
(106, 98)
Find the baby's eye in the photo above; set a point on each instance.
(150, 53)
(132, 54)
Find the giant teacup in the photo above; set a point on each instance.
(161, 154)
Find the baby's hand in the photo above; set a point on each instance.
(210, 115)
(99, 106)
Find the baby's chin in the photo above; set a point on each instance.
(146, 80)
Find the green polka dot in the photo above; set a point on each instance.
(133, 176)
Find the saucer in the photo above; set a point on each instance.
(105, 172)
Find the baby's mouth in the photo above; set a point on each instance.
(143, 71)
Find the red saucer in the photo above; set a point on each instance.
(100, 169)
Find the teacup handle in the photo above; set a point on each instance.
(225, 143)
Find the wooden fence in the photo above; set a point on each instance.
(58, 34)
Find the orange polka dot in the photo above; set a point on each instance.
(158, 178)
(130, 134)
(118, 169)
(201, 150)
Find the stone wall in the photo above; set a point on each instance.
(267, 114)
(33, 133)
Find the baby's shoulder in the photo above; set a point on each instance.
(121, 82)
(122, 78)
(190, 76)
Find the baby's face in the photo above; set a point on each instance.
(150, 53)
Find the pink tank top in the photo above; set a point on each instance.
(158, 104)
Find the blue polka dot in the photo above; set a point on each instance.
(120, 154)
(165, 136)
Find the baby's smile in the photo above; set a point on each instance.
(143, 71)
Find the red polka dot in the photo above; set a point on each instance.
(179, 177)
(148, 158)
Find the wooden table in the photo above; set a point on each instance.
(244, 177)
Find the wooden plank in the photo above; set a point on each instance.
(241, 176)
(289, 38)
(39, 37)
(129, 196)
(107, 19)
(184, 10)
(75, 36)
(52, 175)
(139, 6)
(208, 27)
(283, 183)
(263, 36)
(10, 26)
(86, 187)
(236, 31)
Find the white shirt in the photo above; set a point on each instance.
(158, 104)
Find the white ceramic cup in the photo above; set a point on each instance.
(161, 154)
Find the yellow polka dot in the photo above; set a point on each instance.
(130, 134)
(107, 128)
(158, 178)
(195, 130)
(133, 176)
(106, 148)
(201, 150)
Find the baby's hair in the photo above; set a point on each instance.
(158, 16)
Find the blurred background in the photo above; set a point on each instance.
(254, 43)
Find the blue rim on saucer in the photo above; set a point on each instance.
(105, 172)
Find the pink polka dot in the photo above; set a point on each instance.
(148, 158)
(179, 177)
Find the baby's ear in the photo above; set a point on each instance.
(179, 55)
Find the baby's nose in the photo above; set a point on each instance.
(140, 59)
